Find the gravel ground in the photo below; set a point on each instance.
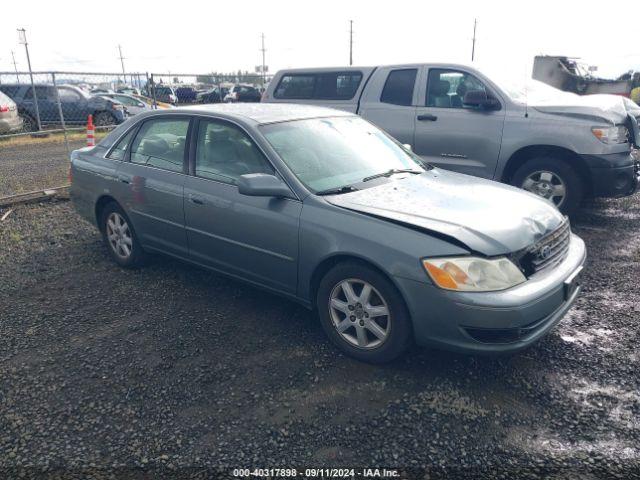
(34, 166)
(171, 371)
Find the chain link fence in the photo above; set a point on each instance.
(43, 115)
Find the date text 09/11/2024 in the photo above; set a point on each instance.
(317, 473)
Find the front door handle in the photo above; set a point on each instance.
(427, 117)
(124, 179)
(196, 200)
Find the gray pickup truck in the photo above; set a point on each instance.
(555, 144)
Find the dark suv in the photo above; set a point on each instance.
(76, 106)
(243, 93)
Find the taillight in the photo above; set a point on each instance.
(4, 108)
(70, 174)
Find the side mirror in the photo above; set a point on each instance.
(407, 146)
(479, 99)
(263, 185)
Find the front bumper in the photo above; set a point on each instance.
(10, 124)
(494, 322)
(613, 174)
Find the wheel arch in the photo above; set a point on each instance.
(329, 262)
(566, 155)
(102, 202)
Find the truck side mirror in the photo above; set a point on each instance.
(479, 99)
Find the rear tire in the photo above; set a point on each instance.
(553, 179)
(103, 119)
(120, 238)
(29, 123)
(363, 313)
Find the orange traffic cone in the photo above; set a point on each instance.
(91, 132)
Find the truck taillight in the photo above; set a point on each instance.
(4, 108)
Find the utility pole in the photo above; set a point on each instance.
(124, 78)
(15, 66)
(22, 38)
(264, 80)
(473, 44)
(350, 42)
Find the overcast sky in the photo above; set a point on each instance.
(194, 37)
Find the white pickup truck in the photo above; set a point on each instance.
(556, 144)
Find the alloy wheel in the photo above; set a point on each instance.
(547, 185)
(360, 314)
(119, 235)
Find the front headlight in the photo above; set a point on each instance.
(611, 135)
(473, 274)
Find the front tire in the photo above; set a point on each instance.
(363, 313)
(120, 238)
(553, 179)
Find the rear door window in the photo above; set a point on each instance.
(161, 143)
(398, 89)
(118, 152)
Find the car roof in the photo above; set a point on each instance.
(262, 113)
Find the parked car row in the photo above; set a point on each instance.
(322, 207)
(555, 144)
(75, 104)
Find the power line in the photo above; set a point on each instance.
(350, 42)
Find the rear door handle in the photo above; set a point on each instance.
(196, 200)
(427, 117)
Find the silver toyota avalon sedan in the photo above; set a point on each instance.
(322, 207)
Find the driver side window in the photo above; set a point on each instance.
(446, 88)
(224, 153)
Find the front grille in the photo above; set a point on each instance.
(548, 251)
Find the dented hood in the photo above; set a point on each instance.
(595, 108)
(486, 216)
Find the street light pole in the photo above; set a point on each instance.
(22, 38)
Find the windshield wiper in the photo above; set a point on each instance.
(390, 172)
(338, 190)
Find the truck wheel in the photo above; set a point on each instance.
(553, 179)
(363, 313)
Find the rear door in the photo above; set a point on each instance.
(255, 238)
(47, 104)
(153, 177)
(390, 101)
(452, 135)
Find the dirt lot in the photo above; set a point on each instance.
(175, 370)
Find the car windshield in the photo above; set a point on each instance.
(331, 153)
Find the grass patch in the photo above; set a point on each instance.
(57, 137)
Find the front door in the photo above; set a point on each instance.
(153, 180)
(255, 238)
(452, 135)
